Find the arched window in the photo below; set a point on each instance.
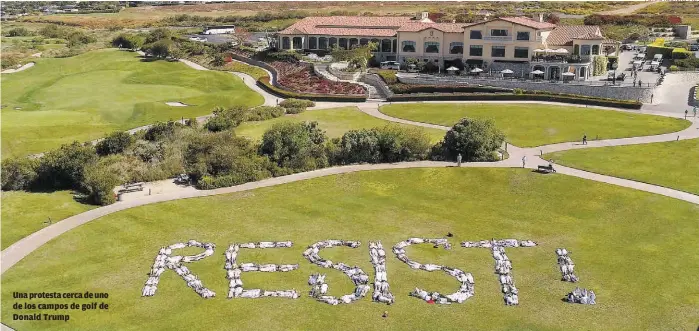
(585, 50)
(343, 43)
(363, 41)
(312, 43)
(286, 43)
(408, 46)
(333, 42)
(323, 43)
(595, 49)
(297, 42)
(386, 45)
(431, 47)
(377, 43)
(456, 48)
(576, 50)
(353, 42)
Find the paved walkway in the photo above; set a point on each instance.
(22, 68)
(13, 254)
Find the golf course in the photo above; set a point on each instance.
(529, 125)
(81, 98)
(619, 239)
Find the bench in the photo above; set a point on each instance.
(132, 187)
(546, 169)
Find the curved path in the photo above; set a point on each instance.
(17, 251)
(22, 68)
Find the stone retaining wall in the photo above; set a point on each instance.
(343, 75)
(613, 92)
(378, 83)
(256, 63)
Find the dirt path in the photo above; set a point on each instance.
(627, 10)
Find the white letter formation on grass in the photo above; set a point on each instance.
(382, 292)
(165, 260)
(582, 296)
(503, 265)
(319, 288)
(466, 290)
(566, 265)
(234, 271)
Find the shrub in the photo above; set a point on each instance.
(9, 60)
(114, 143)
(160, 131)
(130, 41)
(53, 31)
(474, 139)
(297, 103)
(388, 76)
(18, 32)
(18, 173)
(99, 185)
(159, 49)
(296, 146)
(158, 35)
(294, 110)
(63, 168)
(263, 113)
(391, 143)
(401, 88)
(673, 68)
(529, 95)
(225, 119)
(688, 63)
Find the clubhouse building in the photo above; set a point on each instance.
(520, 44)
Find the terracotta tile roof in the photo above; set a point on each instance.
(521, 20)
(348, 26)
(444, 27)
(563, 35)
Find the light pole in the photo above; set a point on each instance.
(614, 66)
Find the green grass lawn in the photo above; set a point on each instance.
(83, 97)
(635, 249)
(23, 213)
(334, 121)
(673, 164)
(529, 125)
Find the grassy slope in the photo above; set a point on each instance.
(83, 97)
(627, 246)
(23, 213)
(528, 125)
(335, 122)
(672, 164)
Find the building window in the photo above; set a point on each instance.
(323, 43)
(498, 51)
(456, 48)
(595, 49)
(312, 43)
(297, 42)
(498, 33)
(286, 43)
(476, 34)
(522, 35)
(522, 52)
(386, 45)
(585, 50)
(576, 50)
(431, 47)
(343, 43)
(408, 46)
(363, 41)
(475, 50)
(353, 42)
(395, 45)
(377, 43)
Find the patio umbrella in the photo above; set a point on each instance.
(548, 50)
(561, 51)
(452, 68)
(476, 70)
(507, 71)
(538, 50)
(537, 72)
(568, 74)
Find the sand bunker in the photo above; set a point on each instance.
(176, 104)
(22, 68)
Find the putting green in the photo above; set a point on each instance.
(633, 248)
(83, 97)
(529, 125)
(24, 213)
(334, 121)
(673, 164)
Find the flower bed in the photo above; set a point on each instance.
(299, 77)
(265, 84)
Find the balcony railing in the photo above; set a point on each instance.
(498, 38)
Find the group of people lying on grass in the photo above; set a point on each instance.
(582, 296)
(566, 265)
(319, 288)
(164, 260)
(234, 271)
(466, 290)
(382, 292)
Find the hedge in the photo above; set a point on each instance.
(410, 88)
(265, 84)
(519, 97)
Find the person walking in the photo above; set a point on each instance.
(584, 139)
(640, 83)
(458, 160)
(651, 97)
(524, 161)
(695, 111)
(686, 112)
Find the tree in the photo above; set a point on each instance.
(18, 32)
(358, 56)
(225, 119)
(63, 168)
(160, 131)
(114, 143)
(297, 146)
(18, 173)
(177, 53)
(474, 139)
(391, 143)
(242, 35)
(158, 35)
(159, 49)
(552, 18)
(218, 60)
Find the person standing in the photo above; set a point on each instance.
(695, 111)
(686, 112)
(458, 160)
(584, 139)
(524, 161)
(651, 97)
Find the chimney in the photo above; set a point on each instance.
(425, 15)
(541, 17)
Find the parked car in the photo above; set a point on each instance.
(694, 47)
(195, 38)
(390, 65)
